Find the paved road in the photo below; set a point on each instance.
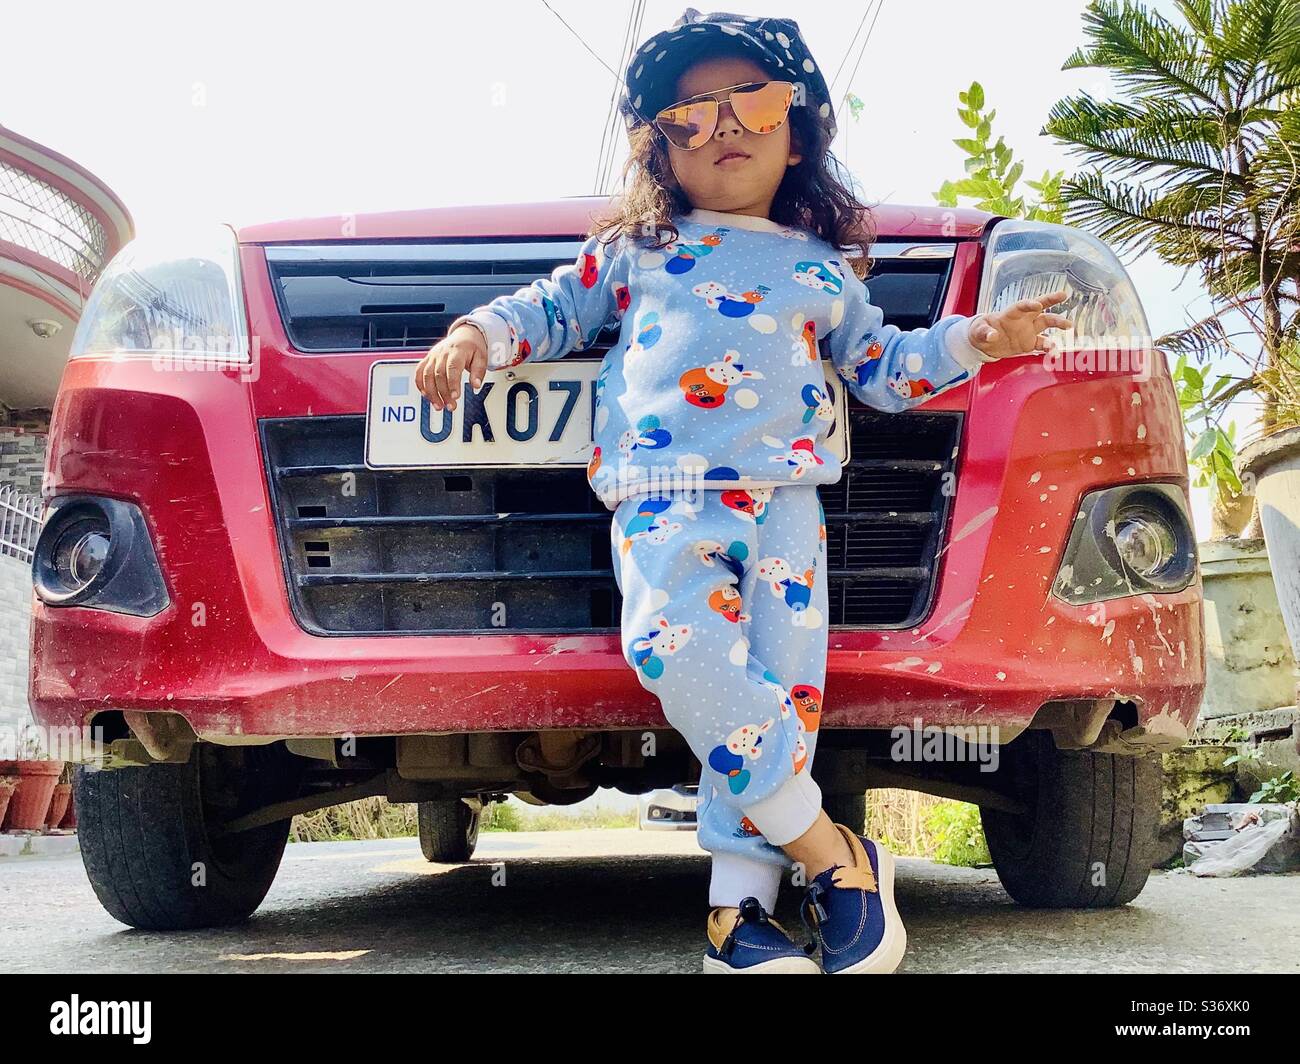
(619, 901)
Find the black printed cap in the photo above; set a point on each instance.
(774, 43)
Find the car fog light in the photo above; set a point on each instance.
(1130, 539)
(1144, 541)
(96, 552)
(80, 552)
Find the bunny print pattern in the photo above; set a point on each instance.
(715, 381)
(724, 618)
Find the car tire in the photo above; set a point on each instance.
(145, 843)
(448, 830)
(847, 809)
(1088, 838)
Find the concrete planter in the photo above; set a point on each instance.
(1271, 735)
(1194, 777)
(1249, 664)
(1274, 463)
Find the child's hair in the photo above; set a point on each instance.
(812, 194)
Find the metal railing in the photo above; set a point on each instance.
(39, 217)
(20, 522)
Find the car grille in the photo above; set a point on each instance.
(481, 550)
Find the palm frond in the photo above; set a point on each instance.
(1164, 134)
(1199, 15)
(1129, 216)
(1257, 34)
(1147, 54)
(1202, 339)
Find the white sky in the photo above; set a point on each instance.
(257, 111)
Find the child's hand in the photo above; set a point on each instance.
(438, 375)
(1019, 329)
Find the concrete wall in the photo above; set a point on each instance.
(22, 458)
(15, 621)
(23, 435)
(1249, 666)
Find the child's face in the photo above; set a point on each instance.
(746, 183)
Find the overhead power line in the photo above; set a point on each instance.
(614, 122)
(578, 36)
(865, 41)
(866, 10)
(611, 110)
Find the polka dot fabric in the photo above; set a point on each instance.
(774, 43)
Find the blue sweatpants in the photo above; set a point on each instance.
(725, 620)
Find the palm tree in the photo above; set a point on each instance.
(1197, 158)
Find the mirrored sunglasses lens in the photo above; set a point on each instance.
(689, 125)
(763, 108)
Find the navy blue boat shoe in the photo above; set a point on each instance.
(756, 945)
(851, 913)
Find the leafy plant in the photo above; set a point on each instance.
(992, 171)
(1214, 448)
(1283, 788)
(958, 834)
(1248, 755)
(500, 816)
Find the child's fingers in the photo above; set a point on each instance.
(1037, 306)
(455, 368)
(423, 379)
(455, 374)
(477, 367)
(441, 393)
(419, 375)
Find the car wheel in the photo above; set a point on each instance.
(847, 809)
(1088, 836)
(448, 830)
(150, 848)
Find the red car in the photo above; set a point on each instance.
(267, 602)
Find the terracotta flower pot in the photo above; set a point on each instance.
(58, 805)
(7, 785)
(69, 822)
(31, 798)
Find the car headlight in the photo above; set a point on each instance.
(1026, 260)
(1134, 539)
(96, 552)
(174, 297)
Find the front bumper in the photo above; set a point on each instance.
(228, 654)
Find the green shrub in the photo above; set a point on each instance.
(958, 834)
(501, 816)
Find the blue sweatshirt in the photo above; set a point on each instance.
(716, 381)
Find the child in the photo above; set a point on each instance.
(726, 262)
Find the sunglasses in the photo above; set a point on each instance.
(759, 106)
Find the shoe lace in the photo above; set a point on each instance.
(751, 912)
(811, 906)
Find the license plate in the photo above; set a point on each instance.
(537, 414)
